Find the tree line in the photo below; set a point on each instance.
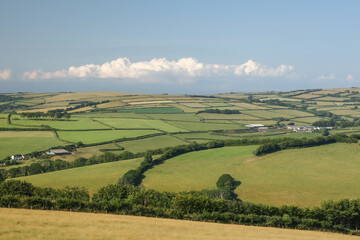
(288, 143)
(337, 216)
(220, 111)
(55, 114)
(135, 176)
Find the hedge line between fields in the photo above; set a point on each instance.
(135, 176)
(336, 216)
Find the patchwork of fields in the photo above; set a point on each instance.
(116, 122)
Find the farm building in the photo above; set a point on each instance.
(57, 152)
(303, 128)
(254, 125)
(263, 128)
(17, 157)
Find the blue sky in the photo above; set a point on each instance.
(178, 46)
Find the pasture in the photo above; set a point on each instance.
(203, 126)
(22, 142)
(73, 124)
(139, 123)
(142, 145)
(89, 137)
(302, 177)
(92, 177)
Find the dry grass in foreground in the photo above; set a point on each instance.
(38, 224)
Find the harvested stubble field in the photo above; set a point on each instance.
(39, 224)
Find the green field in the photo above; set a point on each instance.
(155, 110)
(228, 116)
(139, 123)
(73, 124)
(302, 177)
(88, 137)
(91, 177)
(203, 126)
(175, 117)
(22, 142)
(142, 145)
(291, 177)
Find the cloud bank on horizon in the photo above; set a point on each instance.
(160, 69)
(5, 74)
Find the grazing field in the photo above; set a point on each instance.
(156, 110)
(175, 117)
(72, 124)
(302, 177)
(111, 115)
(22, 142)
(249, 106)
(203, 126)
(40, 224)
(294, 113)
(185, 108)
(88, 137)
(308, 119)
(87, 152)
(228, 116)
(267, 114)
(142, 145)
(264, 122)
(139, 123)
(84, 96)
(91, 177)
(194, 105)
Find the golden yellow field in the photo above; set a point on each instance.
(249, 106)
(38, 224)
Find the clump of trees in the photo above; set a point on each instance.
(223, 111)
(54, 114)
(287, 143)
(82, 104)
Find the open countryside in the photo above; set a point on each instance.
(309, 155)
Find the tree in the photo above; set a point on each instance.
(132, 177)
(325, 132)
(226, 181)
(226, 185)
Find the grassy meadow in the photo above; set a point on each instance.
(88, 137)
(22, 142)
(91, 177)
(139, 123)
(302, 177)
(72, 124)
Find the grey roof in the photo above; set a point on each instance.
(57, 151)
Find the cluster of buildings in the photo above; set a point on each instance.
(308, 129)
(50, 152)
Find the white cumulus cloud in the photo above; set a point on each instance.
(349, 77)
(159, 69)
(328, 77)
(5, 74)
